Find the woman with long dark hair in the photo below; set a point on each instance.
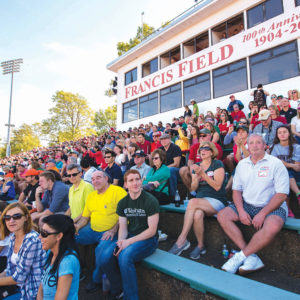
(60, 278)
(288, 151)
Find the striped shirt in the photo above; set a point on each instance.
(28, 270)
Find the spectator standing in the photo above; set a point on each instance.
(187, 111)
(234, 101)
(195, 108)
(260, 96)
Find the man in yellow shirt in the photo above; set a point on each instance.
(78, 192)
(100, 209)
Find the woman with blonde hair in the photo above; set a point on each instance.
(25, 258)
(208, 180)
(275, 114)
(295, 125)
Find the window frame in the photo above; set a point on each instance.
(149, 62)
(148, 95)
(131, 75)
(169, 87)
(128, 103)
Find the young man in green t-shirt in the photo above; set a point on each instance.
(138, 219)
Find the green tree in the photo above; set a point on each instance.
(141, 34)
(24, 139)
(105, 119)
(71, 118)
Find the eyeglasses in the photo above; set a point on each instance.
(294, 92)
(222, 115)
(14, 217)
(45, 233)
(73, 175)
(107, 157)
(203, 135)
(273, 97)
(205, 148)
(155, 158)
(242, 122)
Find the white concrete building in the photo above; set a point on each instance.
(215, 49)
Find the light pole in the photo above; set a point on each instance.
(10, 67)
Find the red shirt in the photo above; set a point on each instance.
(281, 119)
(98, 159)
(196, 158)
(236, 116)
(223, 127)
(234, 148)
(155, 146)
(146, 147)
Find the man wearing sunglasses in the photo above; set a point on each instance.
(98, 223)
(78, 192)
(112, 169)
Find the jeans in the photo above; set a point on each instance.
(87, 236)
(121, 271)
(174, 175)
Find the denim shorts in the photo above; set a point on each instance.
(294, 174)
(253, 210)
(215, 203)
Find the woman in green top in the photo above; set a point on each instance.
(208, 180)
(158, 176)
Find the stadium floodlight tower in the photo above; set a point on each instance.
(10, 67)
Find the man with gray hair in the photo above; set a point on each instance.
(98, 223)
(260, 188)
(78, 192)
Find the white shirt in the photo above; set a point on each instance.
(261, 181)
(88, 174)
(296, 121)
(294, 103)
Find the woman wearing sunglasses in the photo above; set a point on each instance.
(158, 177)
(60, 278)
(25, 258)
(208, 181)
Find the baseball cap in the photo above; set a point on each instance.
(11, 175)
(242, 127)
(231, 96)
(157, 133)
(263, 115)
(139, 153)
(164, 136)
(192, 100)
(31, 172)
(205, 131)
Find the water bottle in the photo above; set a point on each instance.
(177, 199)
(225, 251)
(186, 201)
(105, 285)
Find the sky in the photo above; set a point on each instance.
(66, 45)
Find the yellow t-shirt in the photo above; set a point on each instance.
(77, 198)
(101, 208)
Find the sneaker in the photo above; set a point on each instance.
(195, 254)
(234, 262)
(252, 263)
(117, 297)
(92, 287)
(177, 250)
(290, 214)
(162, 236)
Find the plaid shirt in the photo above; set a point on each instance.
(28, 270)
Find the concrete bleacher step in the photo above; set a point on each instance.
(205, 279)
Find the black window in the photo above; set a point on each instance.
(264, 11)
(150, 67)
(274, 65)
(297, 2)
(170, 98)
(197, 88)
(170, 57)
(130, 111)
(230, 79)
(131, 76)
(149, 105)
(196, 44)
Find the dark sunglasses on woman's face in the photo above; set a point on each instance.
(14, 217)
(155, 158)
(45, 233)
(205, 148)
(73, 175)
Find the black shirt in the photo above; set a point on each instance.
(289, 114)
(29, 192)
(115, 172)
(173, 151)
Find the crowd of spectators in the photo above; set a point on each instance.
(108, 189)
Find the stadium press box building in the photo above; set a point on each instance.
(214, 49)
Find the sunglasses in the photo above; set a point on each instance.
(242, 122)
(203, 135)
(107, 157)
(14, 217)
(273, 97)
(73, 175)
(294, 92)
(205, 148)
(45, 233)
(155, 158)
